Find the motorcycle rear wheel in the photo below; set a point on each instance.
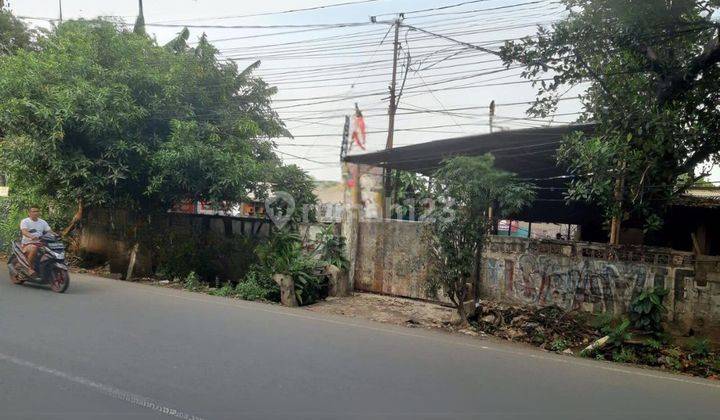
(60, 280)
(14, 278)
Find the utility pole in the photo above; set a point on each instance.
(392, 109)
(492, 114)
(60, 7)
(393, 85)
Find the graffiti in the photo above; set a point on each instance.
(573, 284)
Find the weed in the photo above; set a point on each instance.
(653, 344)
(625, 355)
(192, 282)
(225, 291)
(250, 289)
(620, 334)
(559, 344)
(602, 322)
(700, 347)
(647, 309)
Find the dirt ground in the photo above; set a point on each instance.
(387, 309)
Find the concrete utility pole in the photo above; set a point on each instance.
(60, 7)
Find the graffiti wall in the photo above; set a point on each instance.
(390, 258)
(599, 278)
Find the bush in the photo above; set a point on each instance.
(250, 289)
(620, 334)
(283, 254)
(647, 310)
(331, 248)
(700, 347)
(625, 355)
(225, 291)
(559, 344)
(192, 282)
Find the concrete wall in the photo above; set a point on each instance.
(391, 258)
(574, 275)
(598, 278)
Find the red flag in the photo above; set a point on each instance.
(358, 129)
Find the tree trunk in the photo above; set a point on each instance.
(75, 220)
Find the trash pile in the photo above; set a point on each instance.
(549, 327)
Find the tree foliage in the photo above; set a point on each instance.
(103, 116)
(14, 34)
(651, 72)
(459, 225)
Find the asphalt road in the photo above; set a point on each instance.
(114, 350)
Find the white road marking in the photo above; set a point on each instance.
(108, 390)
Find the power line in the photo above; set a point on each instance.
(282, 12)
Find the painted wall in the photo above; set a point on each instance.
(391, 258)
(573, 275)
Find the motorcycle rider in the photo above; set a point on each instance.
(32, 228)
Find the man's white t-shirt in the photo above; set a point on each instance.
(35, 227)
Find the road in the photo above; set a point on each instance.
(115, 350)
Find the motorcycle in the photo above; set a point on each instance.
(50, 264)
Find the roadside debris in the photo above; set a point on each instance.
(542, 327)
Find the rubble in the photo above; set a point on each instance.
(535, 325)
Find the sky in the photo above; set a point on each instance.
(322, 72)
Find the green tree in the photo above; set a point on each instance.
(14, 34)
(300, 186)
(101, 116)
(651, 72)
(459, 224)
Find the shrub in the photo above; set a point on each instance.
(559, 344)
(192, 282)
(331, 248)
(647, 310)
(602, 322)
(700, 347)
(283, 254)
(251, 289)
(653, 344)
(625, 355)
(620, 334)
(226, 290)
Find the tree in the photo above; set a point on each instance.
(652, 77)
(14, 34)
(101, 116)
(459, 225)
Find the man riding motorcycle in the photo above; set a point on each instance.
(32, 228)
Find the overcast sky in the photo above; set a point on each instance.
(322, 72)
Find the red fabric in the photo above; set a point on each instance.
(359, 134)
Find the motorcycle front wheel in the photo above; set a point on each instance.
(13, 273)
(60, 280)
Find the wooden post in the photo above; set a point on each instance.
(615, 222)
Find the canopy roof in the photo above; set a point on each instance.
(530, 153)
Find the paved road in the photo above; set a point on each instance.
(115, 350)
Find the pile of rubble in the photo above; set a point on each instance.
(548, 327)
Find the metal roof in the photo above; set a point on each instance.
(530, 153)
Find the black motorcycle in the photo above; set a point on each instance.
(49, 264)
